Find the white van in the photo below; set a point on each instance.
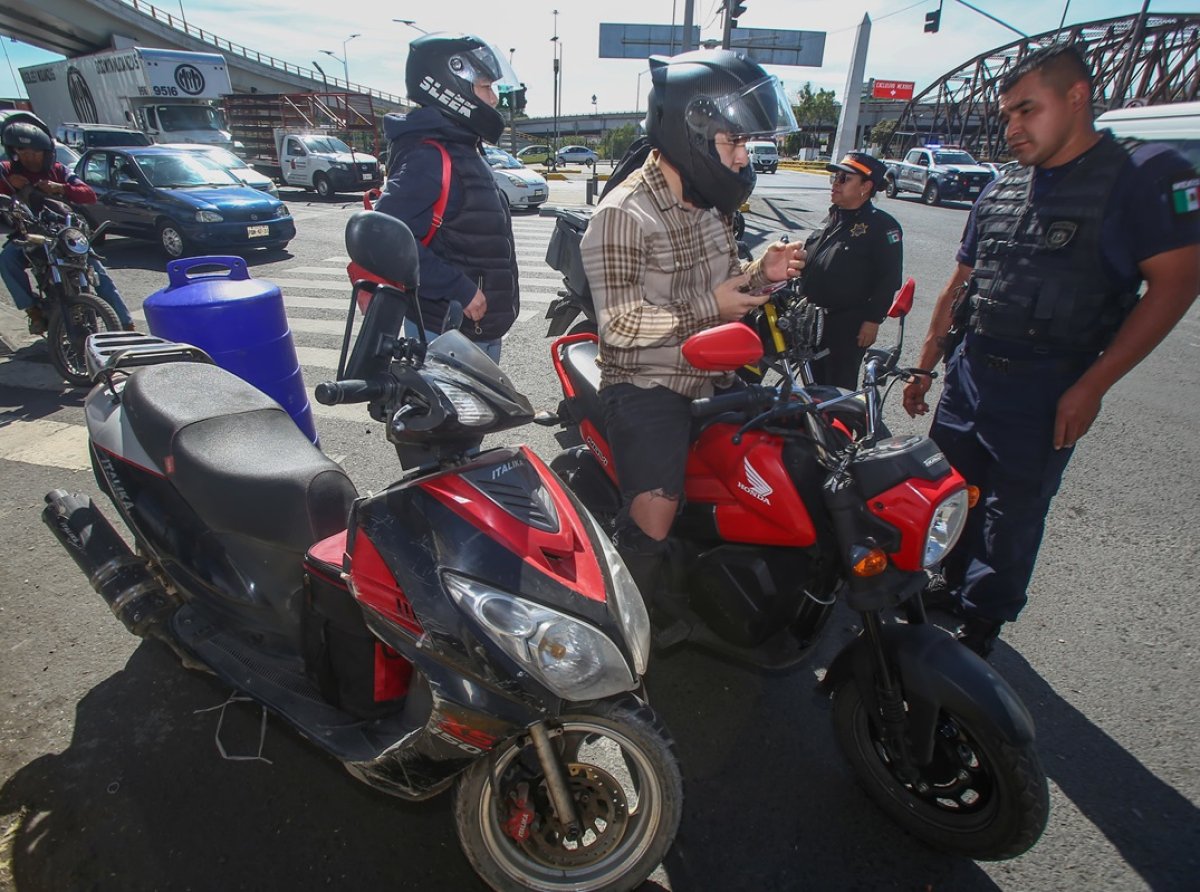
(1176, 125)
(764, 156)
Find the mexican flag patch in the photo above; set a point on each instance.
(893, 236)
(1185, 196)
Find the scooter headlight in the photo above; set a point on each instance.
(630, 606)
(575, 660)
(946, 525)
(470, 409)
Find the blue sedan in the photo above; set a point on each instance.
(175, 199)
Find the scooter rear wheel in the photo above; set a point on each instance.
(979, 796)
(627, 788)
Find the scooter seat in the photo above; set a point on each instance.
(583, 371)
(235, 455)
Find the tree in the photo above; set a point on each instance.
(616, 141)
(813, 109)
(881, 132)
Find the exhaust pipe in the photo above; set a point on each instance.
(121, 578)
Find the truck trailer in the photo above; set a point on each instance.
(172, 95)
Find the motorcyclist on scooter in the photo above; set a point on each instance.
(662, 263)
(31, 162)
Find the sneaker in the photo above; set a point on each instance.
(37, 321)
(980, 635)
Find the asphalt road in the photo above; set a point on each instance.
(110, 771)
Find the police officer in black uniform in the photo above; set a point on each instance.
(853, 267)
(1049, 271)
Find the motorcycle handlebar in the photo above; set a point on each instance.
(743, 398)
(333, 393)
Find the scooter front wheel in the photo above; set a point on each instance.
(979, 796)
(628, 792)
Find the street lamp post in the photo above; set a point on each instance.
(512, 110)
(323, 77)
(637, 99)
(344, 58)
(555, 51)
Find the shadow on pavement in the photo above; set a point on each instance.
(1154, 827)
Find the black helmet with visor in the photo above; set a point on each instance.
(443, 71)
(695, 96)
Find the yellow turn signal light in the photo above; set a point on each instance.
(972, 496)
(870, 563)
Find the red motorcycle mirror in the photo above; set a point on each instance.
(903, 301)
(724, 348)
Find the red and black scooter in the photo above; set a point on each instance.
(794, 497)
(469, 626)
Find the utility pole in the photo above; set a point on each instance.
(552, 161)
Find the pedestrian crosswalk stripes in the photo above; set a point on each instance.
(306, 288)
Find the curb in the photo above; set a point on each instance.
(14, 330)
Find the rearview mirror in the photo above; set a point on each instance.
(902, 304)
(724, 348)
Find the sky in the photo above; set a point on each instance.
(298, 30)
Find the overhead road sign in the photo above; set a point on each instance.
(629, 41)
(892, 89)
(769, 46)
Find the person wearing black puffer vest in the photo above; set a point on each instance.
(469, 256)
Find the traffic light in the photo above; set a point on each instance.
(513, 99)
(736, 8)
(933, 20)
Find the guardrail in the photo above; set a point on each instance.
(227, 46)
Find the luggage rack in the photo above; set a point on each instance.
(109, 352)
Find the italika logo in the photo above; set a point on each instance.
(189, 79)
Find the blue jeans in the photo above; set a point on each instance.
(491, 348)
(12, 271)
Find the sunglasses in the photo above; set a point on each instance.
(840, 177)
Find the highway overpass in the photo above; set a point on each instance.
(78, 27)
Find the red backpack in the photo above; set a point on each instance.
(357, 273)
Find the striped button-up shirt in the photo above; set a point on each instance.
(652, 264)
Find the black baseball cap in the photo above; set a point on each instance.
(862, 164)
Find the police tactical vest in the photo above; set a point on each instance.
(1039, 274)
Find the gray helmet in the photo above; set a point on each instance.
(693, 97)
(442, 71)
(22, 133)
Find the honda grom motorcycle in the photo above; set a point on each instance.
(795, 496)
(469, 627)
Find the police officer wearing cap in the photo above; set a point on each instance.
(1049, 271)
(853, 267)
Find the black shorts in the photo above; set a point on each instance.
(649, 430)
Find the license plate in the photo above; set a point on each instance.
(368, 176)
(257, 231)
(973, 190)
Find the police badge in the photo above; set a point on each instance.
(1060, 233)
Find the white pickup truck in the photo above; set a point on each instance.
(938, 173)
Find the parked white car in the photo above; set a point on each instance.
(1177, 124)
(522, 187)
(226, 160)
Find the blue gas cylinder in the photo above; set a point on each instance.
(237, 320)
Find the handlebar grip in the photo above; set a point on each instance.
(730, 402)
(333, 393)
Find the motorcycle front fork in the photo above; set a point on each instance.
(890, 697)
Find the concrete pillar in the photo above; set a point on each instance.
(848, 125)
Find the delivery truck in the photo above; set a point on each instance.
(317, 141)
(172, 95)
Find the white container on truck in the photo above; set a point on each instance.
(174, 96)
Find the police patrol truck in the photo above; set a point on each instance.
(170, 94)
